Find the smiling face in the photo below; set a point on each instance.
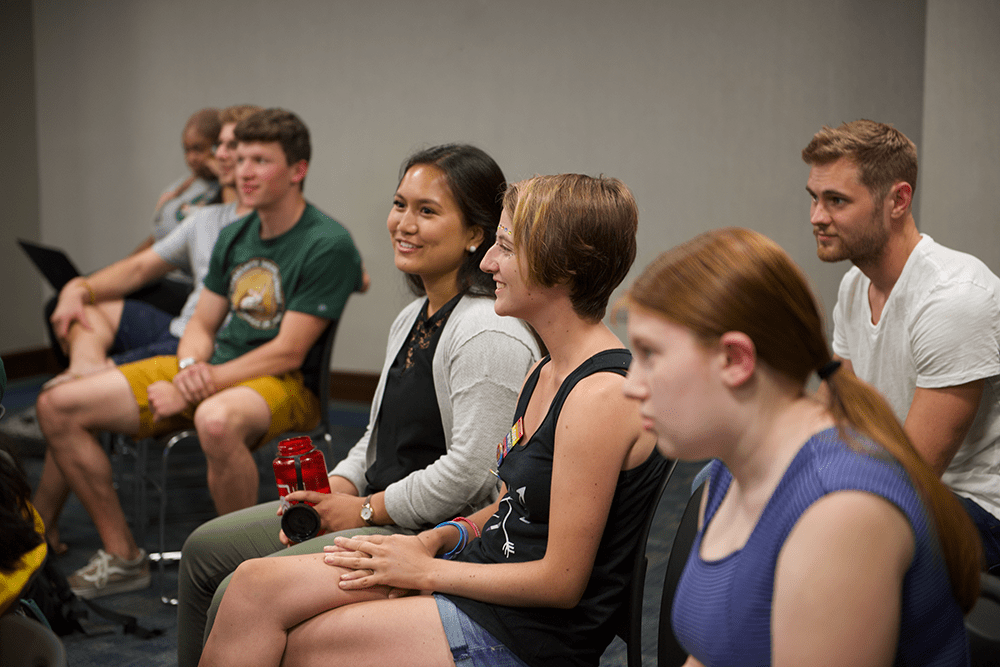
(672, 376)
(515, 295)
(429, 235)
(225, 155)
(263, 176)
(847, 221)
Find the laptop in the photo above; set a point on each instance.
(52, 262)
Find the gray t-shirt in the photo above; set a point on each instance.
(189, 247)
(169, 216)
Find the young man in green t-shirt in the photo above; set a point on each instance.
(280, 275)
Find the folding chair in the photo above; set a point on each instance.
(630, 616)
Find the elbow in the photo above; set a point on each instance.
(566, 601)
(567, 594)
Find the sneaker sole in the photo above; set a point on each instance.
(115, 588)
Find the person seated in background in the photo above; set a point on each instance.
(919, 321)
(537, 577)
(823, 537)
(450, 379)
(22, 549)
(200, 187)
(92, 319)
(276, 279)
(203, 186)
(93, 316)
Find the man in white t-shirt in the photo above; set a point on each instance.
(919, 321)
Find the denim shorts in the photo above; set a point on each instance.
(471, 645)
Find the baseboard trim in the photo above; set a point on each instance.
(353, 386)
(24, 364)
(344, 385)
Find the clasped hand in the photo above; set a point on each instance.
(196, 382)
(398, 561)
(165, 400)
(189, 387)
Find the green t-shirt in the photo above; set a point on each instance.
(312, 268)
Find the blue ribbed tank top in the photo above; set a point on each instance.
(722, 609)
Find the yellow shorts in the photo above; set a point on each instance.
(293, 407)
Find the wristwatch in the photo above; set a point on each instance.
(185, 362)
(367, 513)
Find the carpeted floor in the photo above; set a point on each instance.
(190, 505)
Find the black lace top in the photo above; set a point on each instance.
(409, 421)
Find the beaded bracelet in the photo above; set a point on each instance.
(463, 538)
(474, 527)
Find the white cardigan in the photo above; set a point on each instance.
(479, 364)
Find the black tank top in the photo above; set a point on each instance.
(518, 532)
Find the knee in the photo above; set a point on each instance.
(217, 425)
(254, 572)
(54, 411)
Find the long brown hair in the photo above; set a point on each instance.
(740, 280)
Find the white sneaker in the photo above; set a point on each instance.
(107, 574)
(23, 425)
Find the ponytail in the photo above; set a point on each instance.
(856, 404)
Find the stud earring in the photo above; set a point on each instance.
(472, 249)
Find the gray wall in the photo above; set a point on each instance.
(960, 154)
(701, 108)
(21, 324)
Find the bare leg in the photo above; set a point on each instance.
(68, 414)
(53, 490)
(229, 424)
(401, 631)
(87, 349)
(265, 598)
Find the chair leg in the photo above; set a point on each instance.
(139, 490)
(163, 556)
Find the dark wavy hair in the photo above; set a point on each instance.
(477, 183)
(17, 524)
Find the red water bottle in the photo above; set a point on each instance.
(299, 466)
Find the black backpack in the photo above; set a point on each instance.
(49, 595)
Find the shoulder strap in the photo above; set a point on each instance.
(606, 361)
(528, 389)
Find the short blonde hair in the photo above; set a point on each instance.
(575, 230)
